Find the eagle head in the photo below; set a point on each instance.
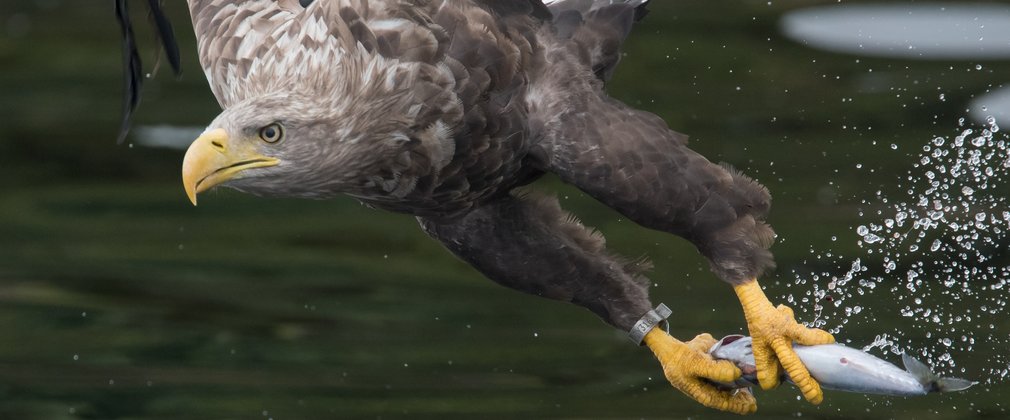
(367, 126)
(293, 144)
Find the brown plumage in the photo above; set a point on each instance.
(441, 108)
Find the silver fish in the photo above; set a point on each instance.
(842, 368)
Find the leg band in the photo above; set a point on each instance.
(649, 321)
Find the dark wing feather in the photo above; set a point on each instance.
(133, 77)
(506, 8)
(132, 68)
(489, 48)
(166, 35)
(596, 29)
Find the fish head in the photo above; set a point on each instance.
(737, 349)
(731, 347)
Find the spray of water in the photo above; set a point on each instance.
(938, 250)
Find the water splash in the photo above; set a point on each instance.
(939, 250)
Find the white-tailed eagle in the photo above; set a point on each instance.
(440, 109)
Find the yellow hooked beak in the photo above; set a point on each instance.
(211, 160)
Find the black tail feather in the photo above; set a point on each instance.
(133, 68)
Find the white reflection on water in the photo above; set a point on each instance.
(166, 136)
(995, 104)
(908, 30)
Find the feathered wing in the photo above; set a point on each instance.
(237, 39)
(133, 75)
(248, 47)
(534, 8)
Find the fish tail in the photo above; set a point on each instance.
(952, 384)
(930, 380)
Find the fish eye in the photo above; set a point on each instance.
(272, 133)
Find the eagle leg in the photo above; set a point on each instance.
(688, 365)
(631, 161)
(774, 330)
(530, 244)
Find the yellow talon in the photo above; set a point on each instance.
(773, 331)
(686, 364)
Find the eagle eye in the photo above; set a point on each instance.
(272, 133)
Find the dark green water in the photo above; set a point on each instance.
(120, 300)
